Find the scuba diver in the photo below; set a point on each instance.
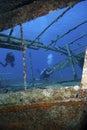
(9, 60)
(46, 73)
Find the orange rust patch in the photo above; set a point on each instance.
(23, 107)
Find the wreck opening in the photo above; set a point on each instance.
(49, 51)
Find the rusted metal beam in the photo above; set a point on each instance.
(55, 20)
(65, 63)
(72, 29)
(21, 11)
(71, 61)
(15, 43)
(11, 31)
(23, 57)
(61, 36)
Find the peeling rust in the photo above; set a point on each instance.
(53, 109)
(17, 108)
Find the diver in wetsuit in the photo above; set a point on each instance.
(9, 60)
(46, 73)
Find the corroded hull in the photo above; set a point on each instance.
(53, 109)
(42, 109)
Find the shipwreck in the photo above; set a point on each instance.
(43, 107)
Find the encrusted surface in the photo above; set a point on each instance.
(52, 109)
(42, 109)
(16, 12)
(54, 117)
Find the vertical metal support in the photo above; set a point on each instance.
(23, 57)
(32, 74)
(71, 61)
(11, 31)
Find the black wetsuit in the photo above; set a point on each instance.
(9, 60)
(45, 74)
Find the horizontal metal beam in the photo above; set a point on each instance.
(15, 43)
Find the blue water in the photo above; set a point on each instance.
(12, 77)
